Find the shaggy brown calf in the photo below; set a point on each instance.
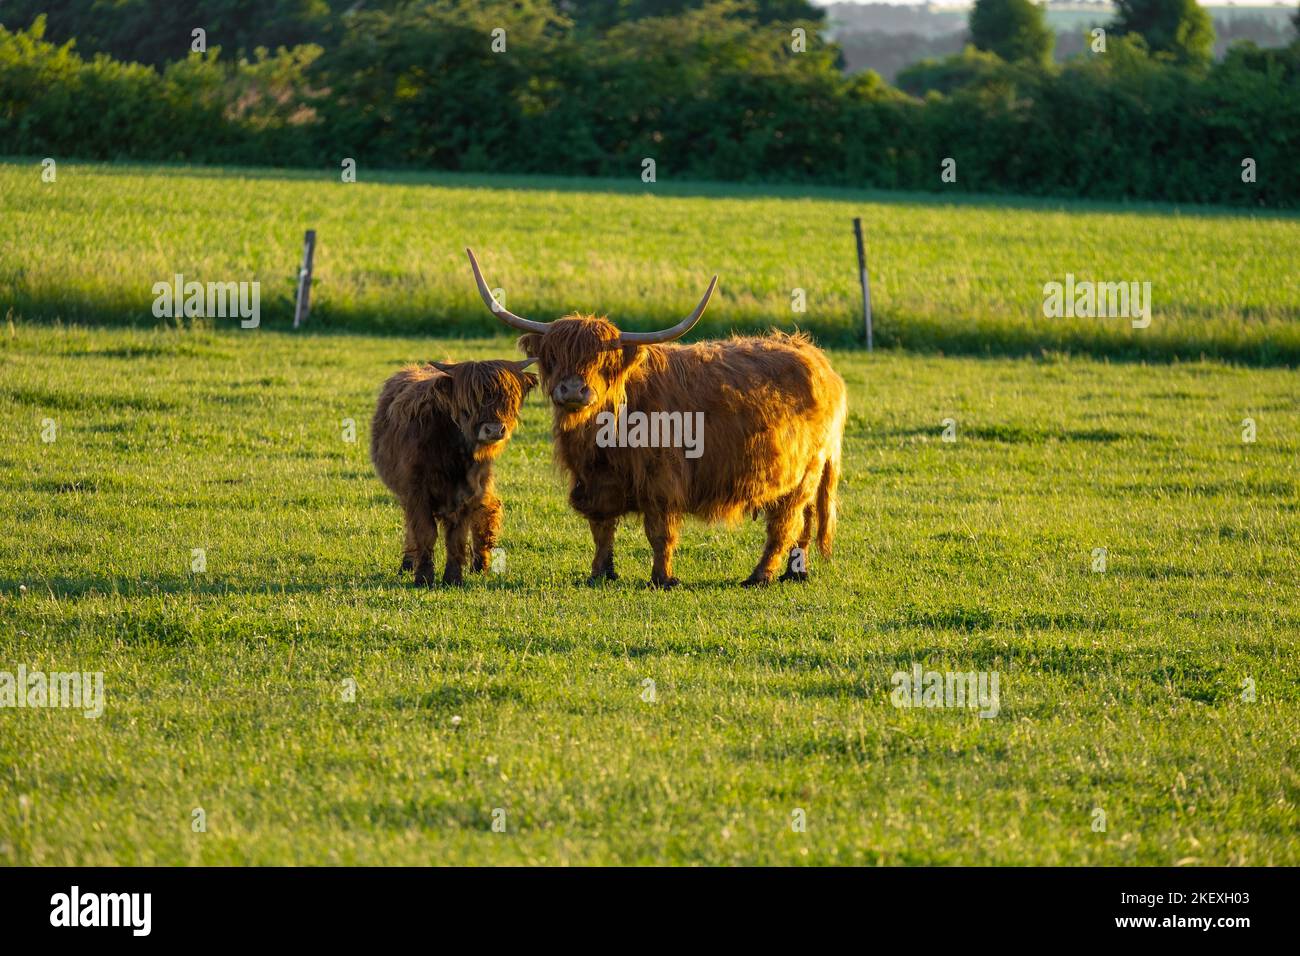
(771, 410)
(436, 431)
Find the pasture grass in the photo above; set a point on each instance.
(952, 275)
(1121, 691)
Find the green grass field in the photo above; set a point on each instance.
(960, 277)
(1120, 690)
(1126, 691)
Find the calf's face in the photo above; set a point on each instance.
(484, 399)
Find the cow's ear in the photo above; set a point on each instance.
(633, 355)
(530, 343)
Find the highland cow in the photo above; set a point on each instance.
(436, 432)
(772, 411)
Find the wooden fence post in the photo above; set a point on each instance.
(866, 284)
(302, 305)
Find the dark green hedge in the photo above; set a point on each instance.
(709, 94)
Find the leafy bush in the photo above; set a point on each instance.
(708, 93)
(1013, 29)
(52, 101)
(1181, 28)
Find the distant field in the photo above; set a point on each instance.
(952, 17)
(1123, 692)
(965, 277)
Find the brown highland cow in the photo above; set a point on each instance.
(772, 419)
(436, 432)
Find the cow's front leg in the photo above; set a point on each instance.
(456, 537)
(602, 534)
(661, 529)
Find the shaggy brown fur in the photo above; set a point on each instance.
(436, 432)
(774, 413)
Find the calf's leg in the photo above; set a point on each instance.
(456, 539)
(602, 565)
(421, 536)
(485, 529)
(408, 550)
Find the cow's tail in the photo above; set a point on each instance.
(827, 500)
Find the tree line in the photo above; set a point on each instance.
(708, 90)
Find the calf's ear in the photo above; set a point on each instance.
(530, 343)
(530, 382)
(441, 384)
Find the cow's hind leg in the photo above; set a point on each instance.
(661, 529)
(485, 530)
(783, 523)
(796, 568)
(602, 534)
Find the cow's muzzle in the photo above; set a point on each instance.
(573, 394)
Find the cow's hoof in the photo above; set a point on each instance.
(800, 576)
(756, 581)
(425, 579)
(477, 565)
(664, 583)
(453, 579)
(408, 564)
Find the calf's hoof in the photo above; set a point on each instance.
(756, 581)
(663, 583)
(605, 573)
(801, 576)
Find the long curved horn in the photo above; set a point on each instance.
(677, 331)
(509, 318)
